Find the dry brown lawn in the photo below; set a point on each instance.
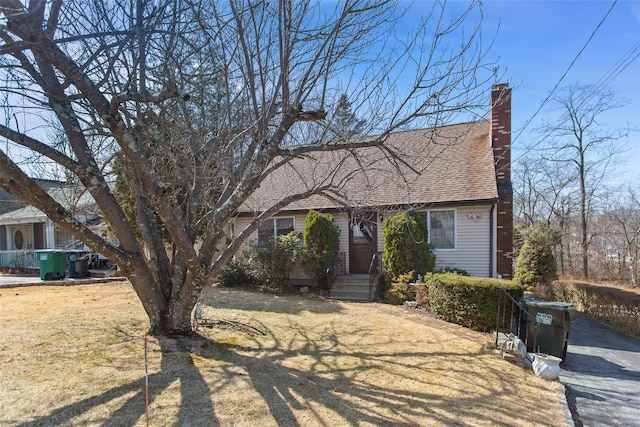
(75, 356)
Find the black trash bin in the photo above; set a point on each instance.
(548, 327)
(78, 264)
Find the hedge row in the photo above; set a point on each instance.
(468, 301)
(617, 307)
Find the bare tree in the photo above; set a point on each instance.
(579, 140)
(545, 193)
(619, 237)
(542, 191)
(199, 103)
(526, 189)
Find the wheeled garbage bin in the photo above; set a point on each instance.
(78, 264)
(548, 327)
(53, 264)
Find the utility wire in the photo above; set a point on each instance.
(528, 122)
(626, 60)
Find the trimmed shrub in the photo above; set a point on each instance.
(321, 240)
(234, 274)
(405, 245)
(273, 259)
(468, 301)
(617, 307)
(536, 264)
(422, 292)
(454, 270)
(400, 289)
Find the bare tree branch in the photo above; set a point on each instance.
(193, 105)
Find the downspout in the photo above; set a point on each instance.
(492, 236)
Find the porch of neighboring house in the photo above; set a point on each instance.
(26, 259)
(20, 243)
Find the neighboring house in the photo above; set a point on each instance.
(26, 229)
(457, 176)
(9, 202)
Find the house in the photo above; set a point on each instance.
(25, 229)
(457, 176)
(9, 202)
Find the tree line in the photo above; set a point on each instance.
(568, 181)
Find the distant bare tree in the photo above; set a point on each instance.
(580, 141)
(526, 192)
(199, 102)
(620, 235)
(545, 193)
(542, 191)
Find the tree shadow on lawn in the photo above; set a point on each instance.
(347, 385)
(333, 388)
(176, 365)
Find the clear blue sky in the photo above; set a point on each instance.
(536, 43)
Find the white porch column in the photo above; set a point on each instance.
(50, 234)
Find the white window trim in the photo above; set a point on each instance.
(455, 228)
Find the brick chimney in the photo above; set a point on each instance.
(501, 145)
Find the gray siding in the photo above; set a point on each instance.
(471, 252)
(473, 243)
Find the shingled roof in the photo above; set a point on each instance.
(449, 164)
(72, 197)
(9, 202)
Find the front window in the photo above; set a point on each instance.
(275, 227)
(442, 228)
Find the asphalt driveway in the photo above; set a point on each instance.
(602, 375)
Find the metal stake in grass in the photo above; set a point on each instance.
(146, 380)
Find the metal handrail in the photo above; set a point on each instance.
(376, 267)
(520, 310)
(332, 270)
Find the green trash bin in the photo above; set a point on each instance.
(53, 264)
(548, 327)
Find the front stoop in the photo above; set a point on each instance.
(352, 287)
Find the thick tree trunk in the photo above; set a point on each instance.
(174, 316)
(169, 312)
(172, 321)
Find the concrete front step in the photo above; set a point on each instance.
(351, 287)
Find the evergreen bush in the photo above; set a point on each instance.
(405, 245)
(536, 264)
(455, 270)
(321, 240)
(273, 260)
(234, 274)
(400, 289)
